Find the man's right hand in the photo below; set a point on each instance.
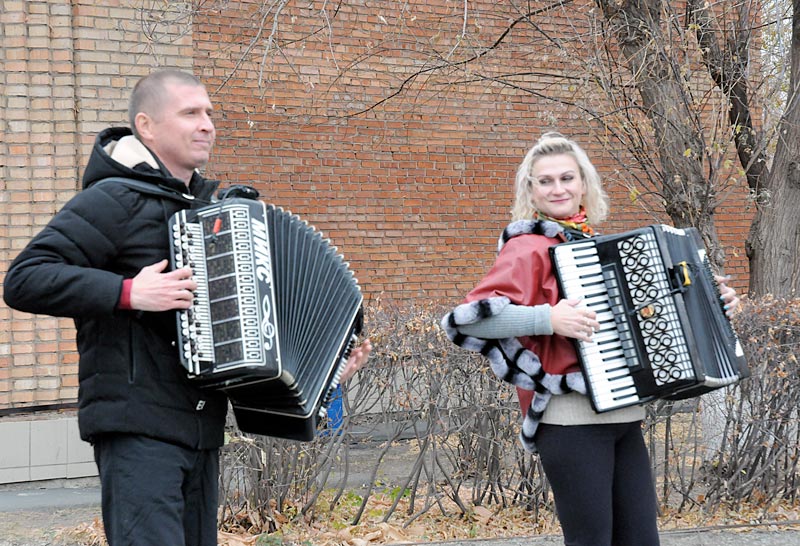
(154, 290)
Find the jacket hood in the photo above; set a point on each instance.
(117, 153)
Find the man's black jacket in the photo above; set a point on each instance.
(131, 380)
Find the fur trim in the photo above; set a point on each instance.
(528, 227)
(508, 358)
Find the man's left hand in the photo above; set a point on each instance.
(358, 357)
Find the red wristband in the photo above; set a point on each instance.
(125, 296)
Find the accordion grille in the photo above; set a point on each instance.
(649, 288)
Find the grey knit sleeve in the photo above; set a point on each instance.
(513, 321)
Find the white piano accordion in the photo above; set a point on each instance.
(664, 333)
(275, 316)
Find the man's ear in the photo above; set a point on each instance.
(144, 126)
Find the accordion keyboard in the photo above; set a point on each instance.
(195, 323)
(663, 333)
(611, 354)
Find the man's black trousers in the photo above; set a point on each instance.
(157, 493)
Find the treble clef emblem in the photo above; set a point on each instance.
(267, 327)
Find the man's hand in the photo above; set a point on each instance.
(154, 290)
(358, 357)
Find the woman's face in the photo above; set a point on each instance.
(556, 186)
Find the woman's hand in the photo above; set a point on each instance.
(729, 298)
(570, 320)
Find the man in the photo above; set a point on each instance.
(102, 260)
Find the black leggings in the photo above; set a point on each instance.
(601, 480)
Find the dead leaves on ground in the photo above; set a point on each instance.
(440, 521)
(332, 529)
(490, 522)
(382, 533)
(87, 534)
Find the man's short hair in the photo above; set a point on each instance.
(149, 93)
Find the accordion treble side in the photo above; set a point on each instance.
(664, 333)
(276, 313)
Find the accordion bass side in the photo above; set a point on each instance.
(664, 333)
(275, 316)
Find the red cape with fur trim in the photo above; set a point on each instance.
(524, 274)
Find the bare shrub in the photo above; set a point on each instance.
(420, 396)
(758, 460)
(755, 460)
(429, 423)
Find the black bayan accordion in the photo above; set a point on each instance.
(275, 316)
(664, 333)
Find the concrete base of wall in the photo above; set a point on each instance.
(43, 447)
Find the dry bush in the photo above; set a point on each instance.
(430, 424)
(454, 425)
(751, 456)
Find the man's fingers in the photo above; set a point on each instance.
(157, 267)
(180, 274)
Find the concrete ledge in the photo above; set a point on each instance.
(43, 447)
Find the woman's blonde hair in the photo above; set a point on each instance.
(595, 200)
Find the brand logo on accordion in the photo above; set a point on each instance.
(263, 260)
(261, 250)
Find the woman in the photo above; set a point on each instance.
(597, 464)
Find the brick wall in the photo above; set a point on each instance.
(66, 69)
(413, 190)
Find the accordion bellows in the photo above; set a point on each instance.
(275, 316)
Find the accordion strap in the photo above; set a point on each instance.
(150, 189)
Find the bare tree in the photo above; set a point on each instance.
(727, 35)
(679, 87)
(655, 45)
(774, 244)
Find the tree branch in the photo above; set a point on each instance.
(499, 40)
(728, 68)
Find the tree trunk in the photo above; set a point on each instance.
(774, 243)
(688, 195)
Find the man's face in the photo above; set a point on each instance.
(181, 134)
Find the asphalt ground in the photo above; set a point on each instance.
(698, 537)
(36, 515)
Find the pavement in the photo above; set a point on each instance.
(50, 498)
(693, 537)
(36, 514)
(32, 516)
